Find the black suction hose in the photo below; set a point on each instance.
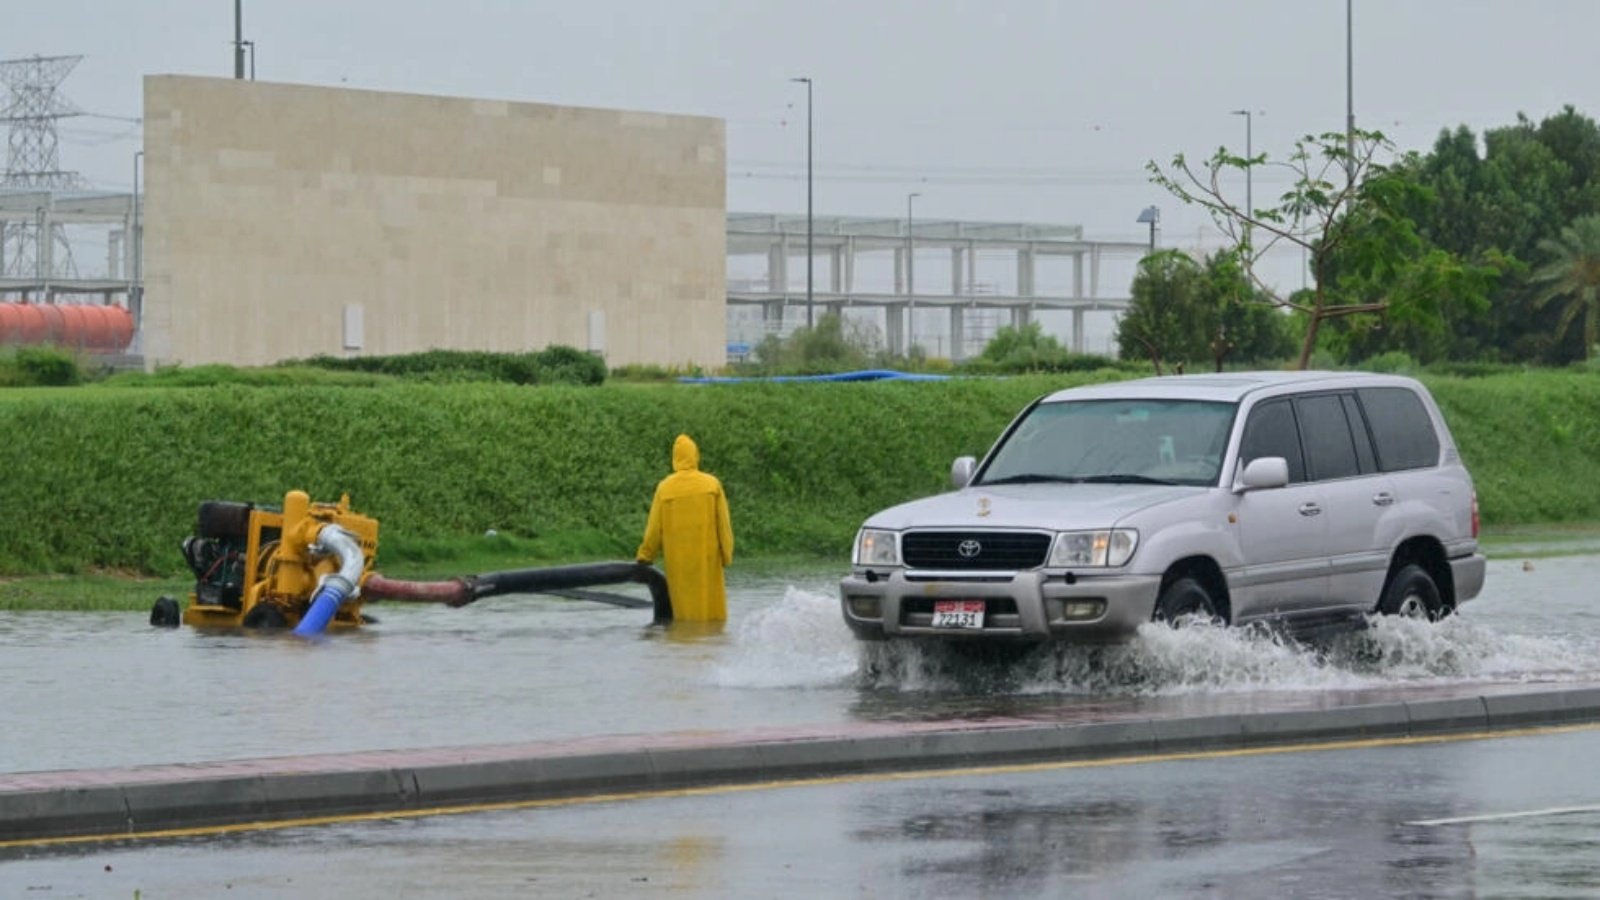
(533, 581)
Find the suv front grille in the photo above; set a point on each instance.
(974, 550)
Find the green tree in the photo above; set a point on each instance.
(1185, 313)
(831, 345)
(1420, 297)
(1571, 274)
(1493, 209)
(1341, 206)
(1159, 323)
(1023, 349)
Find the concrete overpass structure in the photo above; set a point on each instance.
(40, 212)
(841, 243)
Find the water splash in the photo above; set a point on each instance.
(800, 642)
(797, 642)
(1457, 650)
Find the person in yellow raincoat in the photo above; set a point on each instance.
(689, 523)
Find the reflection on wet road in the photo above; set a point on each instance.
(1284, 823)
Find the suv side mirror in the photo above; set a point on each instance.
(1264, 472)
(961, 471)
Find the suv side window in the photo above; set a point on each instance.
(1271, 431)
(1329, 449)
(1401, 428)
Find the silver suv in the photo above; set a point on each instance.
(1306, 500)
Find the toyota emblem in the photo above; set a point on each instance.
(969, 549)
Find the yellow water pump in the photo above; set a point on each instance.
(260, 567)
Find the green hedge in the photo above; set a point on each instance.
(102, 477)
(1531, 440)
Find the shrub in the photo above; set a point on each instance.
(560, 364)
(1394, 362)
(43, 367)
(832, 345)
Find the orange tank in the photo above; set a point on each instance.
(81, 326)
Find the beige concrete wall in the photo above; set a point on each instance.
(272, 209)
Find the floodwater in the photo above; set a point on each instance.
(85, 690)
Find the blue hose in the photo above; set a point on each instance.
(323, 607)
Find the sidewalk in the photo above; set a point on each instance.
(130, 802)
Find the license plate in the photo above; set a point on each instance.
(958, 614)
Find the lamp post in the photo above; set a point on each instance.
(238, 39)
(1349, 92)
(1249, 153)
(911, 278)
(810, 234)
(136, 240)
(252, 46)
(1152, 215)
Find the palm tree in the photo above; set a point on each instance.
(1572, 272)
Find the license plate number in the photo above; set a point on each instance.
(958, 614)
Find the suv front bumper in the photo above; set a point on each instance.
(904, 605)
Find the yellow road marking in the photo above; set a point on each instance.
(817, 781)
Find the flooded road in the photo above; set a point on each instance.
(93, 690)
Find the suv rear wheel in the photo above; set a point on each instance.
(1412, 593)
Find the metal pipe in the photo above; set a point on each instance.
(334, 589)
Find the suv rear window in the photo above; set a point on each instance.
(1401, 428)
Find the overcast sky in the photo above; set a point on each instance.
(992, 109)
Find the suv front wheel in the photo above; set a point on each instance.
(1185, 597)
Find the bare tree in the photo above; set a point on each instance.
(1316, 214)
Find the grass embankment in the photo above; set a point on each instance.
(104, 481)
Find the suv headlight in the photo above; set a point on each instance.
(876, 547)
(1081, 549)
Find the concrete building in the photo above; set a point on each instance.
(285, 221)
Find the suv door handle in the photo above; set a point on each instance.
(1310, 509)
(1382, 498)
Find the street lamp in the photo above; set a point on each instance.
(1249, 153)
(136, 242)
(1349, 93)
(1152, 215)
(911, 268)
(810, 234)
(238, 39)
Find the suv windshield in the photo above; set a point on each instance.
(1115, 441)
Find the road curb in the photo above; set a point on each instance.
(108, 804)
